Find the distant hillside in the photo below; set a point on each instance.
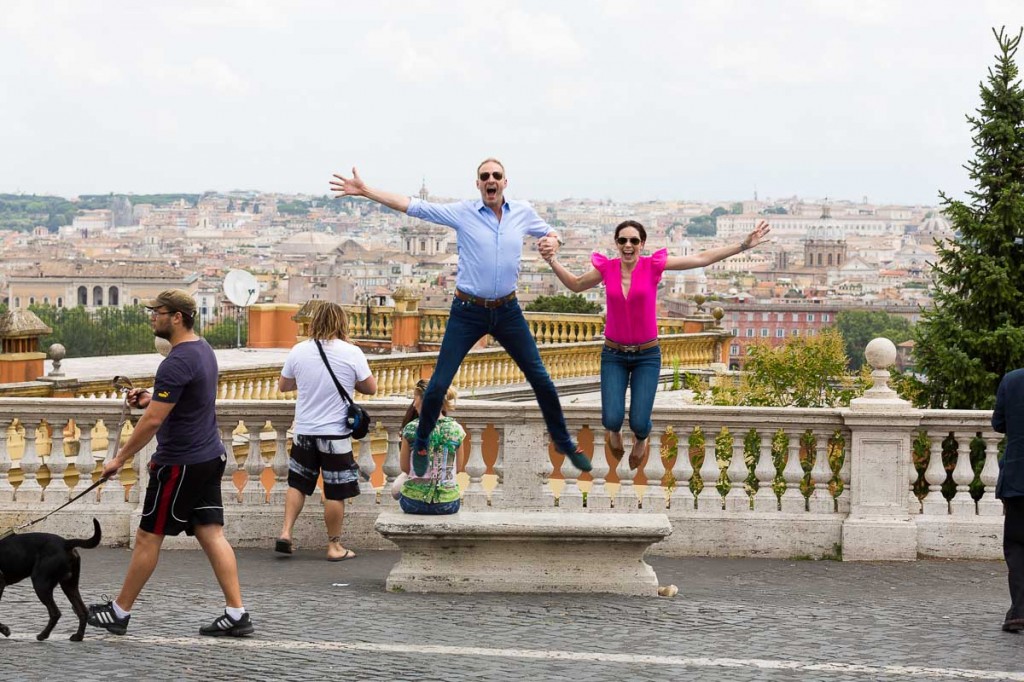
(25, 211)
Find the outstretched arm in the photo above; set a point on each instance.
(705, 258)
(355, 187)
(548, 247)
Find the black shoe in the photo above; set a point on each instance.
(226, 626)
(580, 460)
(1013, 625)
(104, 616)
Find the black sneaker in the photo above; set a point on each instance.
(104, 616)
(226, 626)
(580, 460)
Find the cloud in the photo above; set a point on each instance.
(545, 38)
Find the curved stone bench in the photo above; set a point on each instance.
(519, 551)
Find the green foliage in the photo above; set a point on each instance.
(717, 211)
(702, 226)
(676, 381)
(775, 210)
(736, 208)
(224, 334)
(859, 327)
(107, 331)
(975, 332)
(563, 303)
(296, 207)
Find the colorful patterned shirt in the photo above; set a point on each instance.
(438, 484)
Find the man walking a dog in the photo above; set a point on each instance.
(185, 472)
(490, 233)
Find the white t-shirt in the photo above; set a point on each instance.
(320, 409)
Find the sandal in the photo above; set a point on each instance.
(617, 452)
(349, 554)
(283, 546)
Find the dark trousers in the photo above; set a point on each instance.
(1013, 552)
(467, 324)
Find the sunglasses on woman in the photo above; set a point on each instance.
(622, 241)
(485, 176)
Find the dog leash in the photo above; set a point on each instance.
(122, 385)
(12, 531)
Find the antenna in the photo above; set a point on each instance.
(241, 288)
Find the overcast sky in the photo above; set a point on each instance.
(615, 99)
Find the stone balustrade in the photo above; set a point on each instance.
(878, 480)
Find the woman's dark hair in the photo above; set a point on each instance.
(634, 224)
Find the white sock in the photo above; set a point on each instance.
(235, 614)
(119, 612)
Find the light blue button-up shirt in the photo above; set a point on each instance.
(489, 251)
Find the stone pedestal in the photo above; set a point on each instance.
(554, 552)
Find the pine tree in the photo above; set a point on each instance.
(975, 333)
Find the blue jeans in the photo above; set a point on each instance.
(640, 371)
(421, 507)
(467, 324)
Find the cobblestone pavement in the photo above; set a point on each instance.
(734, 619)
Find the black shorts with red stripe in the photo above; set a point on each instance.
(182, 496)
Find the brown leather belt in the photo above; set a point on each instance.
(630, 349)
(484, 302)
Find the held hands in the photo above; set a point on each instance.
(758, 236)
(349, 187)
(548, 247)
(110, 468)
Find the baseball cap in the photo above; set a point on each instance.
(175, 300)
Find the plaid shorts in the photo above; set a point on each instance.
(330, 456)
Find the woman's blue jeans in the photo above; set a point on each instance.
(639, 371)
(430, 509)
(467, 324)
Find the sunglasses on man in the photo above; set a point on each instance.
(485, 176)
(622, 241)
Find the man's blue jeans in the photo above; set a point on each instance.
(467, 324)
(640, 371)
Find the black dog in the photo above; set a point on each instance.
(50, 560)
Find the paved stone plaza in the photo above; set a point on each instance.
(733, 619)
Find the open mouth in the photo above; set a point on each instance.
(491, 190)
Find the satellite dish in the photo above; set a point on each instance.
(241, 288)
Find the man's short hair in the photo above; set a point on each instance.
(490, 159)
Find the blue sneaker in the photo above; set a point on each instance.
(420, 460)
(580, 460)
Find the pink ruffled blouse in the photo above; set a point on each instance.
(631, 319)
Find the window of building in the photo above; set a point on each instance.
(780, 333)
(825, 317)
(764, 331)
(750, 317)
(810, 317)
(830, 259)
(750, 332)
(31, 300)
(97, 296)
(735, 331)
(46, 300)
(780, 317)
(810, 332)
(734, 349)
(796, 332)
(60, 301)
(83, 296)
(113, 296)
(796, 317)
(765, 317)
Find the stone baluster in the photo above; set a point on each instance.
(626, 499)
(392, 465)
(475, 496)
(913, 503)
(546, 469)
(682, 469)
(963, 475)
(988, 505)
(253, 492)
(113, 491)
(367, 466)
(228, 489)
(843, 503)
(6, 489)
(737, 498)
(498, 494)
(654, 499)
(793, 499)
(821, 501)
(935, 475)
(57, 463)
(709, 498)
(29, 490)
(598, 497)
(572, 496)
(765, 499)
(280, 462)
(85, 464)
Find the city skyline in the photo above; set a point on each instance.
(703, 101)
